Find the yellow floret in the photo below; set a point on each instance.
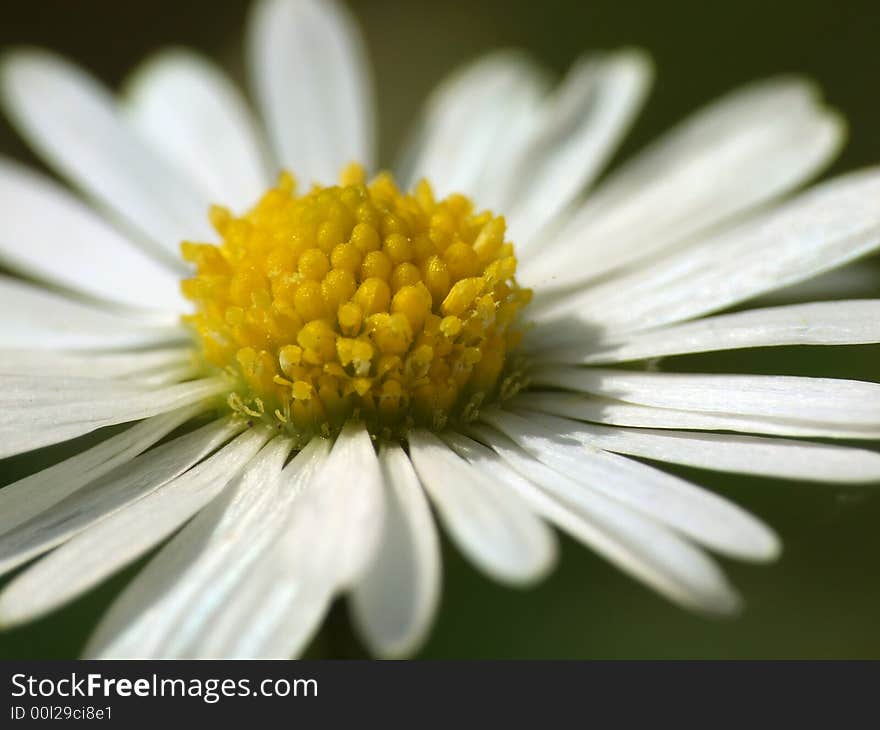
(357, 300)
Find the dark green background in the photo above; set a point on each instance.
(822, 599)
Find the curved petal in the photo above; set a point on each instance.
(50, 235)
(359, 523)
(96, 553)
(844, 322)
(311, 79)
(171, 606)
(131, 364)
(834, 401)
(32, 416)
(107, 494)
(494, 529)
(578, 130)
(326, 541)
(194, 115)
(821, 229)
(27, 497)
(745, 149)
(639, 546)
(783, 458)
(697, 513)
(473, 123)
(857, 280)
(34, 318)
(620, 413)
(395, 602)
(75, 125)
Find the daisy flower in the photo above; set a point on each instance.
(320, 371)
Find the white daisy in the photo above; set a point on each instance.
(345, 356)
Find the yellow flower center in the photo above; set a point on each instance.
(357, 301)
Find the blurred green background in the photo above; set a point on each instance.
(822, 599)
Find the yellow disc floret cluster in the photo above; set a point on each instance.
(357, 301)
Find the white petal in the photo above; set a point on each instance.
(193, 114)
(33, 417)
(395, 602)
(34, 493)
(579, 129)
(132, 364)
(175, 598)
(823, 228)
(816, 323)
(474, 124)
(32, 317)
(352, 480)
(108, 494)
(845, 403)
(618, 413)
(278, 607)
(203, 593)
(695, 512)
(74, 124)
(495, 530)
(292, 596)
(57, 522)
(640, 547)
(750, 146)
(50, 235)
(320, 544)
(94, 554)
(329, 540)
(782, 458)
(169, 374)
(35, 391)
(855, 280)
(311, 78)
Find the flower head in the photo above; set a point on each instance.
(358, 301)
(339, 349)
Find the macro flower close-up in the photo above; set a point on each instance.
(291, 366)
